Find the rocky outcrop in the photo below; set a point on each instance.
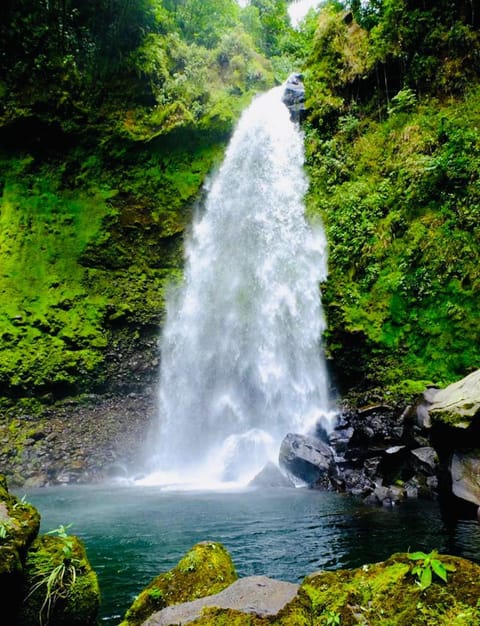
(375, 452)
(43, 578)
(456, 405)
(386, 454)
(374, 594)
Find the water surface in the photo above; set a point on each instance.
(134, 533)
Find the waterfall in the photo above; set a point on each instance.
(241, 356)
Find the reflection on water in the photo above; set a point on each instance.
(134, 533)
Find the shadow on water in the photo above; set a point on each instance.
(134, 533)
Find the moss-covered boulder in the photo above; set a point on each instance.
(60, 587)
(205, 570)
(388, 593)
(19, 525)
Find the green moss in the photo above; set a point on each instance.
(205, 570)
(71, 599)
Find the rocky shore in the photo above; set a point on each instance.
(80, 441)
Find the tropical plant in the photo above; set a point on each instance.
(57, 579)
(428, 565)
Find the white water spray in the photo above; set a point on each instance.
(241, 354)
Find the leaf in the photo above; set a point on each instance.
(415, 556)
(426, 578)
(449, 567)
(439, 569)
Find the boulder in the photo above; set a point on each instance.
(465, 472)
(253, 595)
(19, 525)
(455, 405)
(306, 458)
(205, 570)
(271, 476)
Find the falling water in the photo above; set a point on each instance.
(241, 350)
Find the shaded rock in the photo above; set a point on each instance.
(426, 457)
(307, 458)
(19, 523)
(456, 405)
(271, 476)
(205, 570)
(465, 472)
(294, 96)
(256, 595)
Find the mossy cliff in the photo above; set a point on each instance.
(102, 160)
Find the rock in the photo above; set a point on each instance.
(465, 472)
(73, 592)
(19, 523)
(456, 405)
(387, 593)
(205, 570)
(294, 96)
(426, 458)
(307, 458)
(271, 476)
(257, 595)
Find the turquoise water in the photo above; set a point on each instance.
(134, 533)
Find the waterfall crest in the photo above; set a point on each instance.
(241, 358)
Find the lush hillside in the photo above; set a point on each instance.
(113, 113)
(394, 160)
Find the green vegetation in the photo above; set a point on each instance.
(427, 566)
(55, 581)
(393, 158)
(113, 114)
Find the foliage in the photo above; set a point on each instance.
(394, 176)
(429, 564)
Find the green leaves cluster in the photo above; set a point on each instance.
(428, 565)
(398, 189)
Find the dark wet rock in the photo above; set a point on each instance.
(465, 471)
(307, 458)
